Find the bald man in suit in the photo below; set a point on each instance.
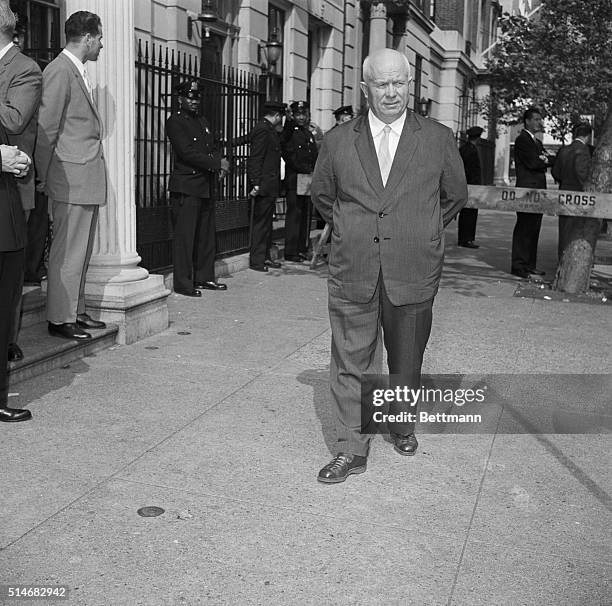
(70, 164)
(388, 183)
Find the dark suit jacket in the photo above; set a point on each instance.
(530, 168)
(263, 167)
(471, 163)
(69, 156)
(299, 152)
(12, 218)
(20, 91)
(398, 229)
(572, 166)
(195, 155)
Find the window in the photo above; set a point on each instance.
(39, 28)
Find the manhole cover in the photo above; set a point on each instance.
(150, 512)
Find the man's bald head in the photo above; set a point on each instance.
(384, 57)
(386, 78)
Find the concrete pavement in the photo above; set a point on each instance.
(222, 421)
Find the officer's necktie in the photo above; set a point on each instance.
(384, 155)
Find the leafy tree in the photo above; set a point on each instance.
(560, 60)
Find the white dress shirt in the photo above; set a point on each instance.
(6, 49)
(81, 67)
(377, 127)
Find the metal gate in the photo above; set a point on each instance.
(230, 102)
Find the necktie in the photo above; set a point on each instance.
(384, 155)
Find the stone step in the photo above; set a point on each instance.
(43, 353)
(33, 306)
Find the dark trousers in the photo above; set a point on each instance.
(467, 225)
(525, 241)
(38, 227)
(261, 230)
(296, 223)
(11, 272)
(355, 328)
(194, 240)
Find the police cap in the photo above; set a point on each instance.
(345, 109)
(271, 107)
(299, 107)
(188, 88)
(474, 131)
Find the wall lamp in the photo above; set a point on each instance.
(271, 51)
(207, 17)
(424, 106)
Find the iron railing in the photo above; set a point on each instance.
(231, 100)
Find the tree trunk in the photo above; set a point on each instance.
(574, 270)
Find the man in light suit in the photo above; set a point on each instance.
(388, 183)
(70, 166)
(20, 89)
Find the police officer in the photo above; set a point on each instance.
(196, 164)
(300, 155)
(343, 114)
(466, 230)
(263, 170)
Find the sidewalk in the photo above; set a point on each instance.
(223, 421)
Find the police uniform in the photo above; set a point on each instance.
(263, 169)
(196, 163)
(300, 154)
(344, 110)
(466, 231)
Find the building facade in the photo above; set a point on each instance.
(281, 49)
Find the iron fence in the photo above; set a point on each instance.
(231, 100)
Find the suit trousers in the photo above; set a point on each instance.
(11, 274)
(38, 227)
(74, 228)
(194, 240)
(525, 241)
(261, 232)
(296, 223)
(355, 329)
(466, 231)
(18, 304)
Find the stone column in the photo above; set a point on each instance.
(117, 289)
(378, 26)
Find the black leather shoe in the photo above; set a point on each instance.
(405, 445)
(85, 321)
(469, 244)
(263, 268)
(14, 352)
(69, 330)
(14, 415)
(341, 467)
(294, 258)
(188, 293)
(537, 272)
(526, 275)
(273, 264)
(211, 286)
